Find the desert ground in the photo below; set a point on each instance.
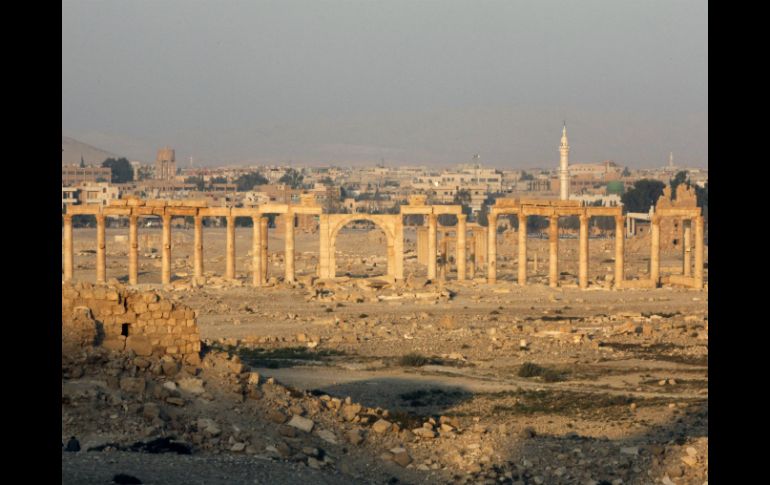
(477, 383)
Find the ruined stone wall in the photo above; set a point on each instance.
(671, 238)
(125, 319)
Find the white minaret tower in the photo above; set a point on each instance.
(564, 165)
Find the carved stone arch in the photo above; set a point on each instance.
(346, 219)
(385, 223)
(330, 226)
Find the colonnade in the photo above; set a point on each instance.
(483, 241)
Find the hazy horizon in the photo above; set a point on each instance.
(410, 83)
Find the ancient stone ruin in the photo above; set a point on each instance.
(120, 319)
(483, 241)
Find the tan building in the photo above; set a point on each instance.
(606, 170)
(72, 175)
(165, 164)
(97, 193)
(69, 195)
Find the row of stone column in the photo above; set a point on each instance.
(259, 249)
(553, 250)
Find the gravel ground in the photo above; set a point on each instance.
(87, 468)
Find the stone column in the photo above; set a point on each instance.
(553, 248)
(655, 251)
(460, 249)
(422, 245)
(133, 250)
(699, 252)
(398, 248)
(472, 262)
(256, 251)
(431, 247)
(619, 251)
(198, 248)
(230, 249)
(101, 252)
(583, 253)
(522, 249)
(480, 234)
(165, 263)
(69, 255)
(444, 255)
(289, 249)
(687, 247)
(492, 248)
(263, 235)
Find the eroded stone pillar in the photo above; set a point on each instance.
(165, 263)
(522, 249)
(444, 258)
(398, 249)
(422, 245)
(461, 219)
(198, 247)
(655, 251)
(472, 262)
(492, 248)
(583, 253)
(133, 250)
(431, 247)
(101, 250)
(69, 254)
(289, 249)
(263, 235)
(230, 249)
(553, 252)
(619, 251)
(391, 253)
(480, 235)
(256, 251)
(687, 247)
(699, 251)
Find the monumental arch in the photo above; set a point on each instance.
(330, 226)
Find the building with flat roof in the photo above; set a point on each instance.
(72, 175)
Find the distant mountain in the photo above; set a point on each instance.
(74, 149)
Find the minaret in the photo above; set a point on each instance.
(564, 165)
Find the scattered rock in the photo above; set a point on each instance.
(355, 436)
(381, 426)
(327, 436)
(73, 445)
(302, 424)
(193, 385)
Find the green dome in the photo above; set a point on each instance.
(615, 187)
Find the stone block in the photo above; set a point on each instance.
(117, 343)
(133, 385)
(139, 344)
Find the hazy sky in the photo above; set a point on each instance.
(410, 82)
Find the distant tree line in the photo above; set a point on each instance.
(121, 169)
